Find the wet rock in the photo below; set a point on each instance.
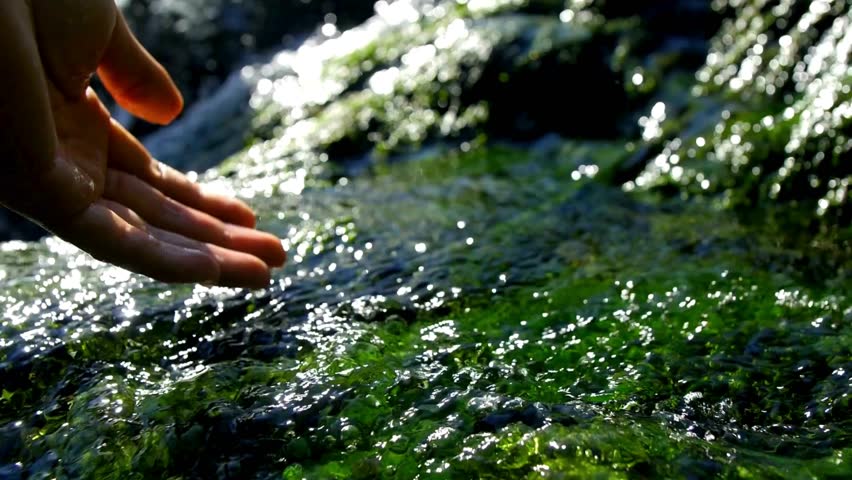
(758, 343)
(271, 352)
(221, 350)
(298, 450)
(692, 469)
(11, 443)
(262, 337)
(11, 472)
(533, 416)
(572, 413)
(215, 37)
(230, 470)
(440, 298)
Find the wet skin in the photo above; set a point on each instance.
(74, 170)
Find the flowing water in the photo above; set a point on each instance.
(527, 240)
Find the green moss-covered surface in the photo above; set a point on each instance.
(468, 294)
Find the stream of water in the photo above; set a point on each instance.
(527, 239)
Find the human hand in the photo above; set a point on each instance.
(71, 168)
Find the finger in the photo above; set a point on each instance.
(109, 238)
(28, 136)
(236, 269)
(167, 214)
(127, 154)
(136, 81)
(72, 37)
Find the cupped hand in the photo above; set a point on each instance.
(71, 168)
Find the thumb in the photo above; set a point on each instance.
(137, 81)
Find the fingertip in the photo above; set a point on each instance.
(242, 215)
(241, 270)
(255, 276)
(165, 116)
(238, 212)
(263, 245)
(247, 218)
(281, 259)
(274, 253)
(170, 103)
(136, 80)
(158, 104)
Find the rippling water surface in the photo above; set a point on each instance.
(527, 240)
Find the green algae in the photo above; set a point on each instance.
(604, 356)
(479, 309)
(779, 80)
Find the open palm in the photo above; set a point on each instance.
(78, 173)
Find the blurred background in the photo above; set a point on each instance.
(352, 81)
(201, 42)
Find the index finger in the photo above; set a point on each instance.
(138, 82)
(128, 155)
